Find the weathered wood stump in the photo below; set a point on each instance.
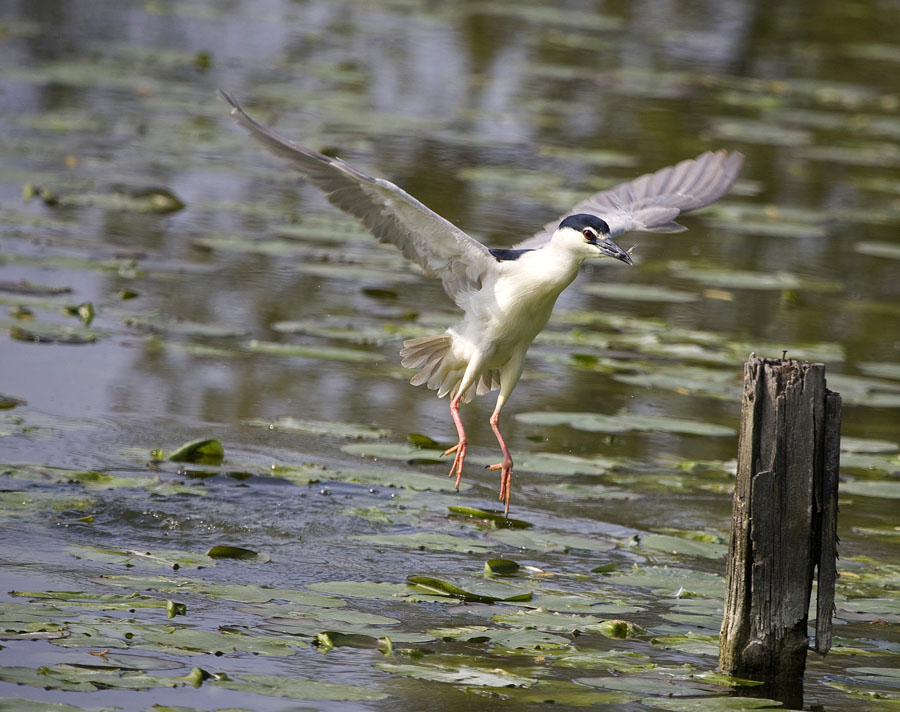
(784, 520)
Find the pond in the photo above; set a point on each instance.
(164, 280)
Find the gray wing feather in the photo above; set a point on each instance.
(392, 215)
(652, 202)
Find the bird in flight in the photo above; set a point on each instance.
(506, 295)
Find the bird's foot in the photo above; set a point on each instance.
(457, 468)
(505, 468)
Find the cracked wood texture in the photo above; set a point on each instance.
(784, 520)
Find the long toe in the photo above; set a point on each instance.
(505, 468)
(458, 461)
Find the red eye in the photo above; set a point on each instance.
(588, 235)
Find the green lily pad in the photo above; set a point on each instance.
(351, 431)
(888, 250)
(314, 626)
(412, 480)
(46, 333)
(871, 488)
(355, 331)
(638, 292)
(395, 451)
(623, 662)
(30, 288)
(207, 451)
(298, 688)
(549, 621)
(880, 369)
(715, 383)
(8, 402)
(193, 641)
(463, 672)
(548, 541)
(327, 353)
(647, 685)
(624, 422)
(620, 629)
(374, 590)
(426, 540)
(518, 639)
(684, 545)
(713, 704)
(140, 200)
(128, 557)
(759, 131)
(173, 608)
(500, 567)
(669, 581)
(865, 445)
(21, 704)
(873, 462)
(183, 327)
(98, 601)
(224, 551)
(496, 518)
(873, 155)
(49, 678)
(745, 279)
(573, 491)
(692, 643)
(565, 694)
(245, 593)
(445, 588)
(552, 463)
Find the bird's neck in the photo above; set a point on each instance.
(560, 263)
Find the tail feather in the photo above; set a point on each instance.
(437, 372)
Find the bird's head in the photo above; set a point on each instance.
(588, 236)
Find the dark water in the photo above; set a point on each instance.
(499, 116)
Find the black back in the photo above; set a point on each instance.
(502, 255)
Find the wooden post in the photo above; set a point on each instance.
(783, 522)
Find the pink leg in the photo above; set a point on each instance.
(505, 467)
(460, 447)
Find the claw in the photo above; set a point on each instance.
(458, 461)
(505, 468)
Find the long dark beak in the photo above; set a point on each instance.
(611, 249)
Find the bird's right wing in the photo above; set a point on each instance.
(392, 215)
(652, 202)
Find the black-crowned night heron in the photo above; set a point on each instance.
(506, 294)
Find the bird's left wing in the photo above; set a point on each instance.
(652, 202)
(392, 215)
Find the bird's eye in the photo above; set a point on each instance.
(588, 234)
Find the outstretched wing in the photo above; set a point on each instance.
(392, 215)
(652, 202)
